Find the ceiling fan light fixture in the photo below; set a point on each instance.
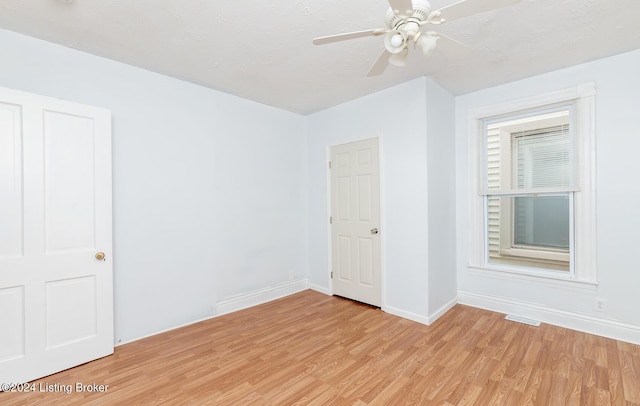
(395, 41)
(426, 43)
(399, 59)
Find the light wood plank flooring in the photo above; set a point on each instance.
(313, 349)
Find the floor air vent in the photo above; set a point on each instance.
(523, 320)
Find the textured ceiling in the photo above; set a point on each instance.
(262, 50)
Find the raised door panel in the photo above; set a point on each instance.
(69, 182)
(12, 338)
(11, 215)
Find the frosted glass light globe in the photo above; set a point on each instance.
(396, 40)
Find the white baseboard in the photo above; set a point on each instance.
(260, 296)
(438, 313)
(166, 330)
(320, 289)
(575, 321)
(418, 318)
(239, 302)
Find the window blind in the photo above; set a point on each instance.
(542, 159)
(530, 156)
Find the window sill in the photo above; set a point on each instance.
(544, 278)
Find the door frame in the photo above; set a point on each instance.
(382, 211)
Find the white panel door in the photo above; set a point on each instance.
(355, 221)
(56, 296)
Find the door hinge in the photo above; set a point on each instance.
(329, 164)
(331, 275)
(331, 220)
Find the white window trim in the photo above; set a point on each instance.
(585, 265)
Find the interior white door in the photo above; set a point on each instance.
(56, 297)
(355, 221)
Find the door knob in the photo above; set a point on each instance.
(374, 231)
(100, 256)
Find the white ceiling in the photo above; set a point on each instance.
(262, 50)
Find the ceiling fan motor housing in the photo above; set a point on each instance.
(421, 11)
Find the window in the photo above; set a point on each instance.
(529, 188)
(534, 201)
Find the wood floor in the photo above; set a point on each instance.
(313, 349)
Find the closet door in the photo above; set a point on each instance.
(56, 275)
(355, 221)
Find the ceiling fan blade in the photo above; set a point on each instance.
(466, 8)
(380, 65)
(403, 8)
(458, 43)
(349, 35)
(452, 47)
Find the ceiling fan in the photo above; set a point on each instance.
(405, 20)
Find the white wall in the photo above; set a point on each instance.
(216, 196)
(441, 163)
(398, 116)
(209, 189)
(618, 193)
